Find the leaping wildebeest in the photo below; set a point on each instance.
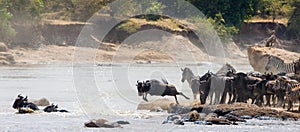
(155, 87)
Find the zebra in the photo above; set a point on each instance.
(282, 86)
(292, 96)
(284, 83)
(279, 64)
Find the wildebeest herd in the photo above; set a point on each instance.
(229, 86)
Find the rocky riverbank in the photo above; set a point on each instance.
(6, 58)
(225, 114)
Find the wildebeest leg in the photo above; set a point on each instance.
(280, 99)
(230, 96)
(268, 98)
(290, 105)
(211, 97)
(299, 104)
(180, 93)
(274, 99)
(253, 99)
(145, 97)
(176, 99)
(259, 100)
(203, 96)
(224, 95)
(234, 96)
(284, 104)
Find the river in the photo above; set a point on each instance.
(107, 91)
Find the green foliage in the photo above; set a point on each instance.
(129, 26)
(6, 31)
(154, 11)
(234, 12)
(223, 31)
(25, 9)
(217, 23)
(293, 24)
(274, 8)
(125, 9)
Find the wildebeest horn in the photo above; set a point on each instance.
(181, 69)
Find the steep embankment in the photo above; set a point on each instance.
(258, 57)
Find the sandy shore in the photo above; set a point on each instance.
(118, 53)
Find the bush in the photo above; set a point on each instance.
(6, 31)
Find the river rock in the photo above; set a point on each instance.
(193, 116)
(175, 108)
(6, 58)
(156, 109)
(122, 122)
(232, 117)
(174, 119)
(41, 102)
(219, 121)
(3, 47)
(101, 123)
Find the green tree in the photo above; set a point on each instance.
(274, 8)
(23, 10)
(293, 24)
(234, 12)
(154, 11)
(6, 31)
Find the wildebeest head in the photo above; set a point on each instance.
(206, 76)
(140, 86)
(51, 108)
(19, 101)
(230, 73)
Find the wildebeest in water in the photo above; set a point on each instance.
(23, 106)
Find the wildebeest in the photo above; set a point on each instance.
(297, 67)
(155, 87)
(23, 106)
(218, 85)
(53, 108)
(194, 82)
